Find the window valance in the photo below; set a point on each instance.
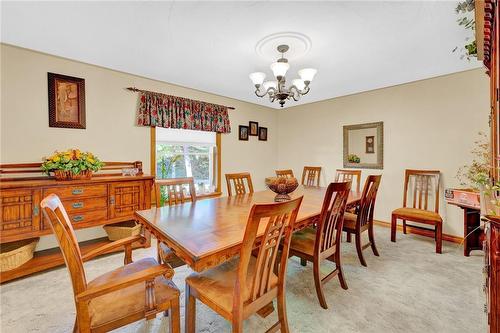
(168, 111)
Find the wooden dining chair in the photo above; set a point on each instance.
(419, 188)
(363, 219)
(238, 180)
(349, 176)
(127, 294)
(323, 242)
(175, 191)
(244, 285)
(310, 176)
(287, 173)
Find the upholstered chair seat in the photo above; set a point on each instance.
(218, 283)
(128, 302)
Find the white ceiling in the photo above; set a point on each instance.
(210, 46)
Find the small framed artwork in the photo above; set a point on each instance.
(370, 144)
(253, 128)
(243, 133)
(262, 133)
(66, 101)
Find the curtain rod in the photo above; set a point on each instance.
(134, 89)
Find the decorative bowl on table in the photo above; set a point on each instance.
(282, 186)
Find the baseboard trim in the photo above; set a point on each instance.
(420, 232)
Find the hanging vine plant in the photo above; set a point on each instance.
(465, 11)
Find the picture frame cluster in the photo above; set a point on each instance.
(253, 129)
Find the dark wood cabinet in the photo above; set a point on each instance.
(103, 199)
(492, 270)
(488, 43)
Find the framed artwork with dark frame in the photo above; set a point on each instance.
(66, 101)
(262, 133)
(253, 128)
(370, 144)
(243, 133)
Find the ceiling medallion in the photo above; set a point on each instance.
(277, 90)
(299, 45)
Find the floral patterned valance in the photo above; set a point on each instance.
(176, 112)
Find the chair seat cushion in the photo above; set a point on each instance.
(417, 215)
(169, 257)
(303, 241)
(217, 284)
(131, 300)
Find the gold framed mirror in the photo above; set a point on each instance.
(364, 146)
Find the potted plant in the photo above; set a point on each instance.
(481, 191)
(71, 164)
(353, 158)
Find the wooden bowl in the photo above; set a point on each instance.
(282, 186)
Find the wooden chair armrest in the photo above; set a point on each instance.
(106, 248)
(121, 283)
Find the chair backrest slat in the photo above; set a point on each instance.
(238, 180)
(368, 198)
(419, 187)
(175, 189)
(310, 176)
(329, 230)
(279, 219)
(288, 173)
(60, 224)
(349, 175)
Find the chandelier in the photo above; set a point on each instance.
(277, 90)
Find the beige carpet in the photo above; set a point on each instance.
(408, 288)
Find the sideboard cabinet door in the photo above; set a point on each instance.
(125, 198)
(19, 211)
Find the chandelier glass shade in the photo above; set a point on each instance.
(277, 89)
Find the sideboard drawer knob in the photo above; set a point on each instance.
(77, 205)
(77, 218)
(77, 191)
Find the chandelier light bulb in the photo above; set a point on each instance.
(299, 84)
(270, 84)
(257, 78)
(307, 74)
(279, 68)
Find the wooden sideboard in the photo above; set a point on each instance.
(104, 199)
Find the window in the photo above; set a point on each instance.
(187, 153)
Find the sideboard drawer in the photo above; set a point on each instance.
(85, 217)
(68, 192)
(85, 204)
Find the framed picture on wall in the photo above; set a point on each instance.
(66, 101)
(253, 128)
(262, 133)
(370, 144)
(243, 133)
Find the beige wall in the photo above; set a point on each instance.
(427, 124)
(110, 112)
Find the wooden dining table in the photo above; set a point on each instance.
(208, 232)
